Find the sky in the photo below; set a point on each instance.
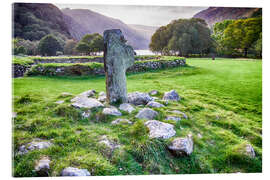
(143, 15)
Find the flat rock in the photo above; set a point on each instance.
(60, 102)
(36, 144)
(154, 104)
(71, 171)
(121, 121)
(102, 98)
(146, 113)
(111, 111)
(153, 92)
(182, 146)
(160, 129)
(42, 167)
(174, 118)
(83, 100)
(171, 96)
(65, 94)
(250, 151)
(139, 98)
(126, 107)
(179, 112)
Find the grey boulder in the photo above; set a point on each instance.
(171, 96)
(139, 98)
(250, 151)
(111, 111)
(153, 92)
(71, 171)
(83, 100)
(146, 113)
(42, 167)
(126, 107)
(154, 104)
(36, 144)
(159, 129)
(182, 146)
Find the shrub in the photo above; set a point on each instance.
(49, 45)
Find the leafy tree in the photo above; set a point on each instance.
(242, 34)
(70, 47)
(90, 43)
(48, 45)
(182, 36)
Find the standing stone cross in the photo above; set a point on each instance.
(117, 58)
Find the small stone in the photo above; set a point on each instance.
(36, 144)
(182, 146)
(199, 135)
(86, 114)
(60, 102)
(65, 94)
(139, 98)
(179, 112)
(146, 113)
(83, 100)
(121, 121)
(126, 107)
(171, 96)
(102, 98)
(153, 92)
(111, 111)
(71, 171)
(43, 166)
(159, 129)
(174, 118)
(154, 104)
(250, 151)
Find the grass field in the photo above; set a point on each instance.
(222, 98)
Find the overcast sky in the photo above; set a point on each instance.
(144, 15)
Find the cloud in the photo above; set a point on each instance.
(144, 15)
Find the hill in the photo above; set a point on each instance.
(146, 31)
(92, 22)
(217, 14)
(32, 21)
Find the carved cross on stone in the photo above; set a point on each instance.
(117, 58)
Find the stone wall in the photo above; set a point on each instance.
(19, 70)
(98, 69)
(69, 60)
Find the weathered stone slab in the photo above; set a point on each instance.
(117, 58)
(147, 113)
(182, 146)
(42, 167)
(83, 100)
(126, 107)
(36, 144)
(154, 104)
(171, 96)
(111, 111)
(139, 98)
(71, 171)
(160, 129)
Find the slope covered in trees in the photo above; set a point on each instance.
(213, 15)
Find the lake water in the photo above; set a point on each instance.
(144, 52)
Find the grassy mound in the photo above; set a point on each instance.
(222, 99)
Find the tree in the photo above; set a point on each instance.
(48, 45)
(182, 36)
(242, 34)
(90, 43)
(70, 47)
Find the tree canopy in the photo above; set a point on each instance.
(49, 45)
(182, 37)
(90, 43)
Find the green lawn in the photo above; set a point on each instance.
(223, 99)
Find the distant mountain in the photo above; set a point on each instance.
(91, 22)
(213, 15)
(146, 31)
(34, 20)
